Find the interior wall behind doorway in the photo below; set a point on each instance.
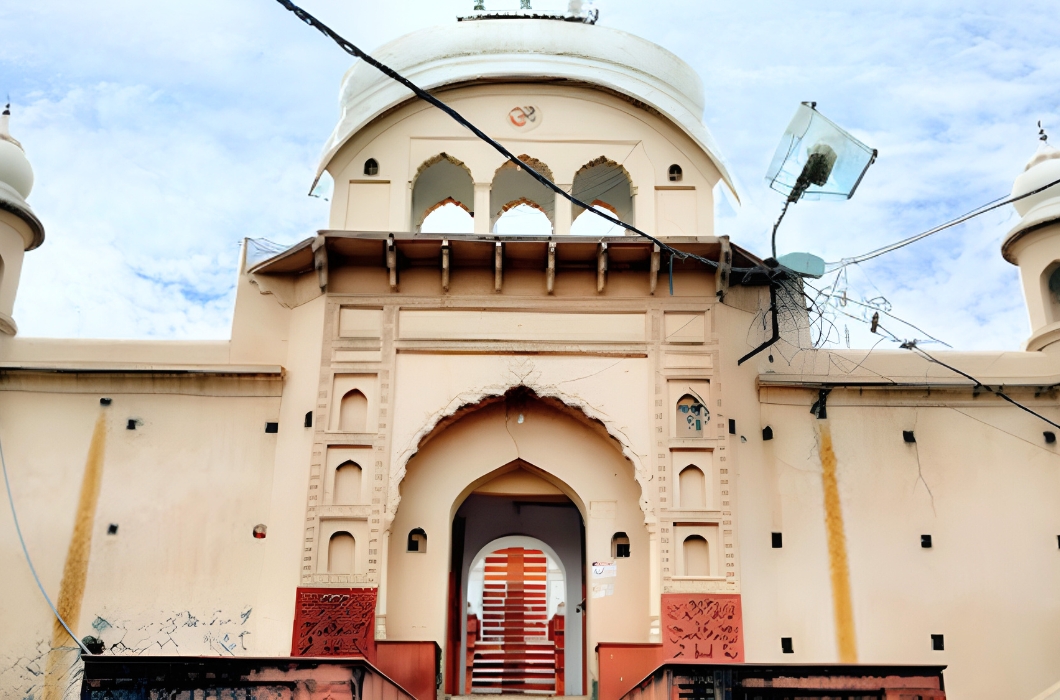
(557, 524)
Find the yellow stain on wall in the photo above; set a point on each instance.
(846, 640)
(75, 572)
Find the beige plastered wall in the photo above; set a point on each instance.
(979, 479)
(182, 574)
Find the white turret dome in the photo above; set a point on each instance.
(1041, 170)
(16, 182)
(1038, 209)
(15, 170)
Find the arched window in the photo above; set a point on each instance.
(342, 553)
(693, 488)
(691, 417)
(444, 191)
(620, 546)
(371, 167)
(347, 489)
(1051, 292)
(417, 541)
(676, 174)
(606, 185)
(696, 556)
(353, 412)
(526, 206)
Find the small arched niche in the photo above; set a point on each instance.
(1051, 292)
(342, 553)
(519, 204)
(353, 412)
(675, 174)
(692, 485)
(696, 557)
(607, 187)
(691, 417)
(347, 489)
(371, 167)
(443, 191)
(417, 541)
(620, 546)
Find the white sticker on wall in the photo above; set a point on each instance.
(604, 574)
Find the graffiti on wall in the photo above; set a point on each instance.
(334, 622)
(706, 628)
(29, 668)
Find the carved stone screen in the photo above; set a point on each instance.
(702, 627)
(334, 622)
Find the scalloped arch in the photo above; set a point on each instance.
(470, 401)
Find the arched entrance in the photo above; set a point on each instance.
(517, 465)
(517, 600)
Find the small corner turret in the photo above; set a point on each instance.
(1034, 243)
(20, 229)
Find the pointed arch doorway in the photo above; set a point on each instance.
(517, 610)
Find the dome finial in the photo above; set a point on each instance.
(1042, 136)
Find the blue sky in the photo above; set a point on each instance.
(163, 133)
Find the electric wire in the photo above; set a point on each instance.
(773, 238)
(997, 203)
(882, 311)
(353, 50)
(29, 561)
(978, 384)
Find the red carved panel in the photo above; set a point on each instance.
(334, 622)
(702, 627)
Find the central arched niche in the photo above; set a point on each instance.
(463, 453)
(514, 188)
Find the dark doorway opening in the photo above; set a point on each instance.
(517, 595)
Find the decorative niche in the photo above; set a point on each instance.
(353, 403)
(690, 414)
(698, 554)
(693, 480)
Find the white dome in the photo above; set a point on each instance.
(15, 170)
(16, 182)
(1042, 169)
(526, 49)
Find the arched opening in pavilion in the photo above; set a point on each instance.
(443, 196)
(519, 204)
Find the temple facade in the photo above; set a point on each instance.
(432, 464)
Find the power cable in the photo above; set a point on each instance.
(911, 345)
(997, 203)
(353, 50)
(29, 561)
(877, 308)
(780, 218)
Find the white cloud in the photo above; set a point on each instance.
(162, 134)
